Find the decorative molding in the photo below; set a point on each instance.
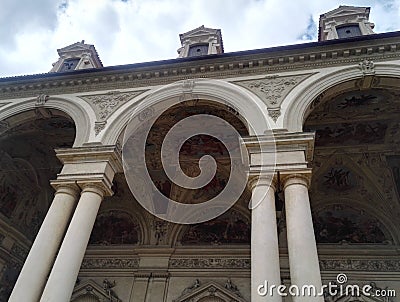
(272, 90)
(160, 229)
(250, 64)
(110, 263)
(187, 90)
(197, 292)
(90, 289)
(99, 126)
(106, 104)
(367, 67)
(41, 99)
(378, 265)
(4, 104)
(211, 263)
(274, 114)
(19, 251)
(4, 126)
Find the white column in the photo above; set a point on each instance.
(303, 256)
(63, 276)
(265, 268)
(37, 266)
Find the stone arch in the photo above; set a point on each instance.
(77, 111)
(250, 108)
(298, 105)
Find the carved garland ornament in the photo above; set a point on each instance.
(382, 265)
(222, 263)
(109, 263)
(106, 104)
(272, 90)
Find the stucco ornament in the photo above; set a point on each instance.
(273, 89)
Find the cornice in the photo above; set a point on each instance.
(257, 62)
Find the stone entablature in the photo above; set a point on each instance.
(385, 47)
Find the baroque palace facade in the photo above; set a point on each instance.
(72, 230)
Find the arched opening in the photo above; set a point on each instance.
(355, 187)
(139, 228)
(27, 164)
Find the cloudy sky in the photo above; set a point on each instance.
(130, 31)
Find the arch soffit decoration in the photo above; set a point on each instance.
(389, 229)
(249, 106)
(358, 170)
(298, 102)
(368, 183)
(136, 216)
(178, 230)
(76, 109)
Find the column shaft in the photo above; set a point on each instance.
(63, 276)
(303, 256)
(264, 243)
(37, 266)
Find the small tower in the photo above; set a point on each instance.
(77, 56)
(345, 22)
(200, 42)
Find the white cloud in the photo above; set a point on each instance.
(133, 31)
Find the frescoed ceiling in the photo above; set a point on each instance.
(28, 163)
(355, 185)
(192, 150)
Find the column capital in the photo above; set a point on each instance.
(262, 180)
(66, 187)
(99, 187)
(301, 177)
(90, 166)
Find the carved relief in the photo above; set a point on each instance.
(41, 99)
(220, 263)
(99, 126)
(367, 67)
(210, 292)
(91, 291)
(105, 104)
(110, 263)
(272, 90)
(374, 265)
(19, 251)
(160, 228)
(4, 126)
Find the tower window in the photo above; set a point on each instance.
(348, 31)
(69, 65)
(198, 50)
